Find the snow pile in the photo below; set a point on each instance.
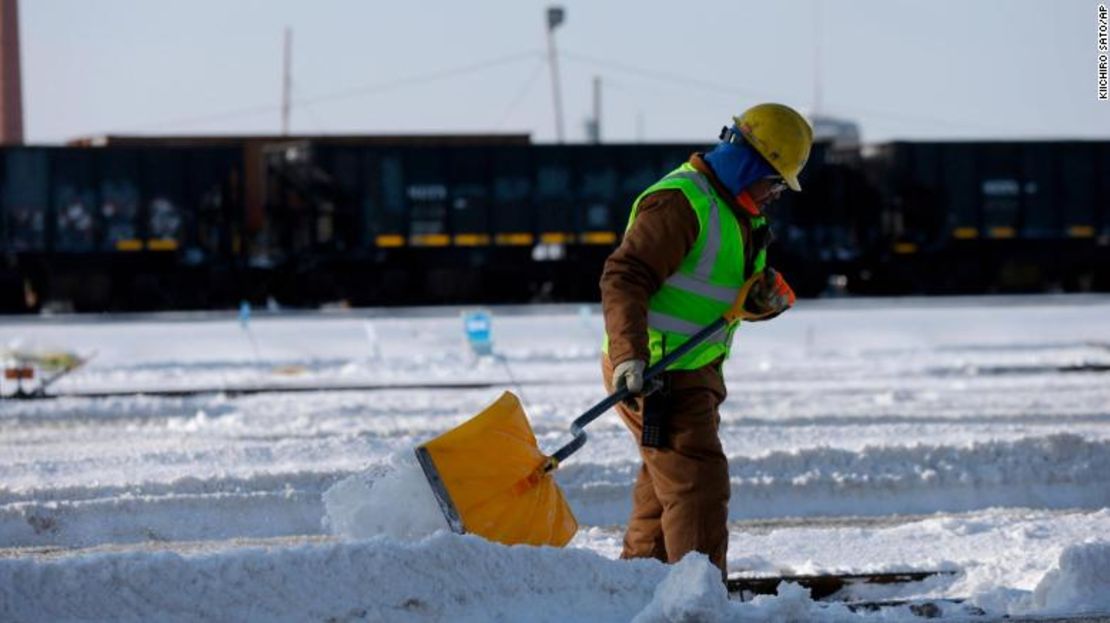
(1067, 466)
(693, 593)
(1059, 470)
(394, 499)
(217, 507)
(445, 577)
(1081, 583)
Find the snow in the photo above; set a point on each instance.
(1080, 581)
(445, 577)
(692, 593)
(394, 500)
(962, 434)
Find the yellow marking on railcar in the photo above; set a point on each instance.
(965, 233)
(905, 248)
(430, 240)
(598, 237)
(1081, 231)
(1003, 232)
(471, 240)
(518, 239)
(129, 244)
(390, 240)
(556, 237)
(161, 244)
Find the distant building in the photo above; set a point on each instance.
(840, 132)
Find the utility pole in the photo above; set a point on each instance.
(593, 126)
(555, 16)
(286, 81)
(817, 28)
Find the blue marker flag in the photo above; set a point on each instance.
(244, 313)
(478, 332)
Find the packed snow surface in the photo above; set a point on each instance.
(971, 435)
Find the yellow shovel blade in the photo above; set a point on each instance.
(489, 472)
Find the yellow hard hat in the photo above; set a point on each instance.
(781, 135)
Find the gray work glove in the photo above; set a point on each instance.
(630, 374)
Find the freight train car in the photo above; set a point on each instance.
(972, 217)
(410, 225)
(515, 223)
(118, 228)
(204, 223)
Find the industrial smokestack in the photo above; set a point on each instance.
(11, 82)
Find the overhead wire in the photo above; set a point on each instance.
(360, 91)
(317, 120)
(853, 109)
(664, 76)
(526, 86)
(523, 91)
(452, 72)
(714, 87)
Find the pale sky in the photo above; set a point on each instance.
(670, 71)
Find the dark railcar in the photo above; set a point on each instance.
(462, 224)
(204, 223)
(116, 229)
(966, 217)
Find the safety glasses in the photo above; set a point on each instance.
(778, 184)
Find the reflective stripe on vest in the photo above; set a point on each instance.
(663, 322)
(699, 282)
(713, 237)
(724, 294)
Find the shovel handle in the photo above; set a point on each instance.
(577, 427)
(736, 312)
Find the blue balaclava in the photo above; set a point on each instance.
(737, 165)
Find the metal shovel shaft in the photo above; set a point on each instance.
(577, 427)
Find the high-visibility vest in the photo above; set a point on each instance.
(708, 279)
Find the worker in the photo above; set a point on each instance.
(693, 238)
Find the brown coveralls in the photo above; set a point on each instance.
(680, 500)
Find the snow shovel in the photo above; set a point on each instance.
(490, 477)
